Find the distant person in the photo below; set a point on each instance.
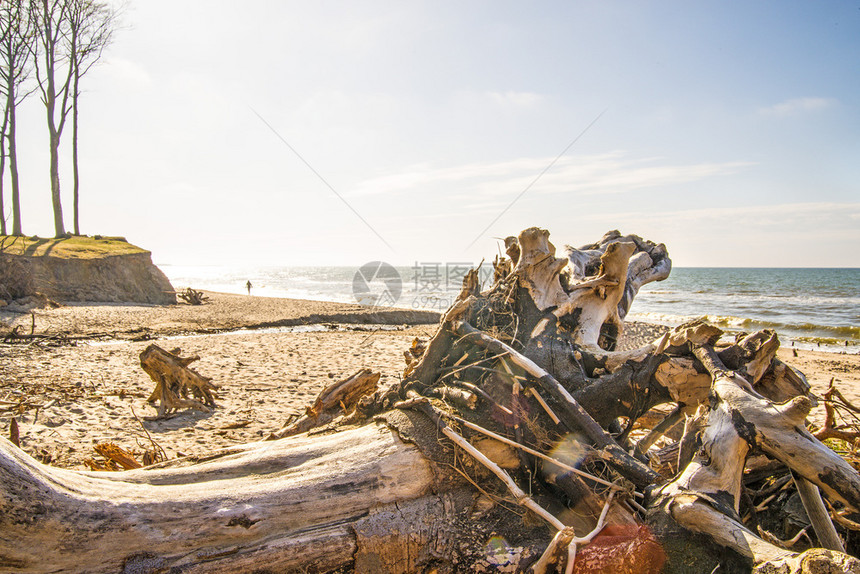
(248, 286)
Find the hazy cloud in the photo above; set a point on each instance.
(127, 72)
(603, 173)
(798, 105)
(795, 216)
(518, 99)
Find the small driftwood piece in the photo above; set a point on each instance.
(818, 515)
(831, 429)
(174, 381)
(115, 458)
(14, 433)
(192, 296)
(336, 399)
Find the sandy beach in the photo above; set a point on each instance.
(269, 358)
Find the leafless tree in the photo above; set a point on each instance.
(71, 35)
(16, 49)
(91, 28)
(54, 72)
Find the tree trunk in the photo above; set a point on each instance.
(3, 166)
(51, 26)
(75, 174)
(13, 171)
(56, 202)
(309, 502)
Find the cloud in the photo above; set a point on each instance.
(127, 72)
(818, 234)
(516, 99)
(179, 188)
(798, 217)
(798, 105)
(612, 172)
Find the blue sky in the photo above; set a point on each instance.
(728, 130)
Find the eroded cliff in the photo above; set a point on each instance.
(81, 269)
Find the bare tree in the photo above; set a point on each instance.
(91, 27)
(3, 171)
(54, 71)
(17, 38)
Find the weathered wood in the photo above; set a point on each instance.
(174, 381)
(364, 499)
(650, 262)
(193, 297)
(421, 403)
(275, 506)
(831, 429)
(818, 515)
(575, 415)
(704, 498)
(340, 398)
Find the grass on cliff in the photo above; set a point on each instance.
(74, 247)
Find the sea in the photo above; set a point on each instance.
(810, 308)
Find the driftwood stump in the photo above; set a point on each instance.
(193, 297)
(174, 381)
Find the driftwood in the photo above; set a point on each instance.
(174, 381)
(521, 438)
(115, 457)
(193, 297)
(831, 429)
(340, 398)
(310, 502)
(705, 497)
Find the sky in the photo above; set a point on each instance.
(341, 132)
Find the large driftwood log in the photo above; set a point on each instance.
(275, 506)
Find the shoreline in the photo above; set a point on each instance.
(223, 314)
(71, 396)
(809, 309)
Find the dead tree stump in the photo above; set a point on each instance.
(174, 381)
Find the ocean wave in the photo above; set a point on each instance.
(668, 319)
(841, 331)
(729, 321)
(807, 331)
(813, 329)
(830, 341)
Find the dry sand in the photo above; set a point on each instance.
(75, 396)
